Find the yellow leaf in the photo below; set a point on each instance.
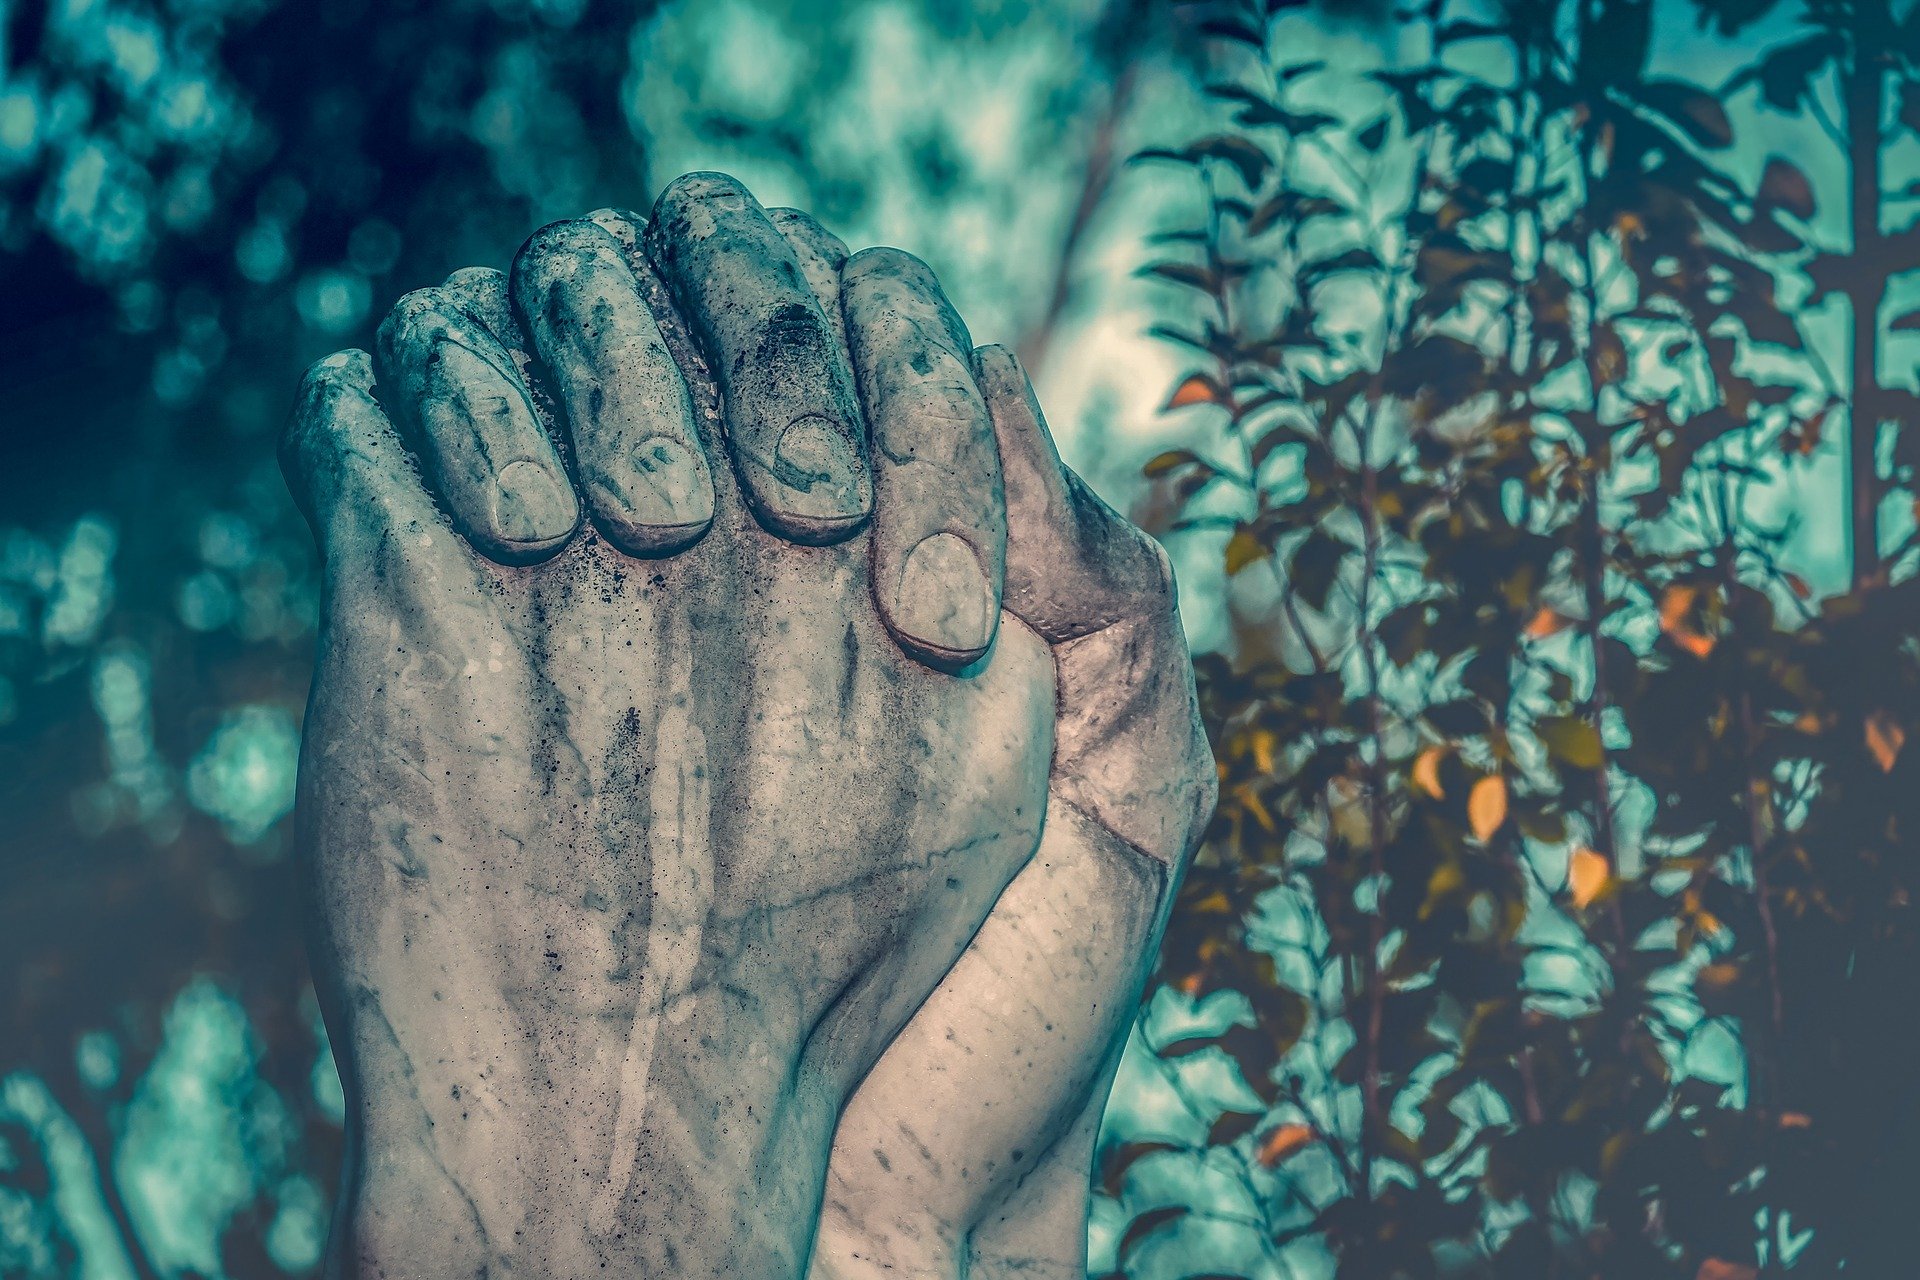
(1197, 388)
(1885, 737)
(1721, 1269)
(1161, 464)
(1426, 771)
(1587, 875)
(1547, 622)
(1446, 879)
(1255, 806)
(1242, 550)
(1487, 806)
(1283, 1142)
(1264, 741)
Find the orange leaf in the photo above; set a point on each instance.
(1885, 737)
(1547, 622)
(1197, 388)
(1675, 602)
(1721, 1269)
(1283, 1142)
(1487, 806)
(1426, 771)
(1717, 977)
(1676, 608)
(1810, 434)
(1795, 1120)
(1587, 875)
(1694, 643)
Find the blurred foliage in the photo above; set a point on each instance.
(1558, 916)
(1555, 922)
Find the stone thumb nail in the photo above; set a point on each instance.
(819, 469)
(944, 602)
(531, 505)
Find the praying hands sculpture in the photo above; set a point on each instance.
(745, 775)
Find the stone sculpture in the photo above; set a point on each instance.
(714, 650)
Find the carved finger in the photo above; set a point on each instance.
(1129, 746)
(482, 293)
(459, 396)
(793, 422)
(344, 462)
(638, 455)
(939, 538)
(821, 255)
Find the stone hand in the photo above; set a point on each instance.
(667, 745)
(967, 1149)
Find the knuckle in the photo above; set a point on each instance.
(476, 280)
(330, 377)
(706, 187)
(1159, 564)
(422, 309)
(573, 239)
(800, 226)
(330, 386)
(883, 262)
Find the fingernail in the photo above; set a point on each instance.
(531, 505)
(670, 486)
(817, 466)
(944, 601)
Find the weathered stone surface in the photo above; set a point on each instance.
(967, 1150)
(666, 749)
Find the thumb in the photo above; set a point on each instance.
(1130, 751)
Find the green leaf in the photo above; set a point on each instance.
(1315, 565)
(1146, 1224)
(1785, 187)
(1185, 273)
(1358, 259)
(1698, 113)
(1786, 74)
(1114, 1168)
(1235, 29)
(1242, 153)
(1184, 1048)
(1232, 1127)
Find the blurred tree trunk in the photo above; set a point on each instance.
(1864, 102)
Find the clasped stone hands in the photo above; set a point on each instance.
(713, 651)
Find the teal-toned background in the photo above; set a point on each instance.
(199, 197)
